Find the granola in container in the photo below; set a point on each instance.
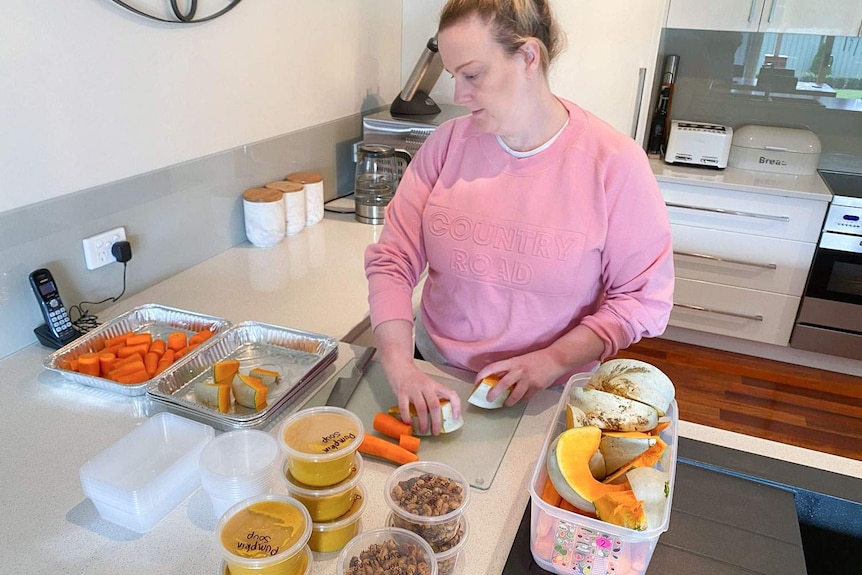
(158, 320)
(429, 499)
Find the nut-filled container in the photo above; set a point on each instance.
(320, 443)
(382, 549)
(264, 535)
(427, 498)
(325, 503)
(449, 555)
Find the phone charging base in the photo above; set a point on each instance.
(48, 339)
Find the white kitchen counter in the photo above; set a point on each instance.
(804, 187)
(313, 281)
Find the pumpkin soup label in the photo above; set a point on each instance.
(263, 529)
(321, 433)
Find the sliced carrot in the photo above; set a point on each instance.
(118, 339)
(106, 361)
(158, 346)
(139, 376)
(549, 494)
(185, 350)
(177, 340)
(165, 361)
(126, 369)
(151, 363)
(88, 363)
(200, 336)
(126, 360)
(113, 348)
(378, 447)
(128, 350)
(409, 442)
(73, 365)
(391, 426)
(141, 338)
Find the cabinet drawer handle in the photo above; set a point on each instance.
(751, 10)
(726, 260)
(730, 212)
(772, 10)
(757, 317)
(640, 94)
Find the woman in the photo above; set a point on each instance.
(545, 236)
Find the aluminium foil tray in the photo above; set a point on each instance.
(298, 356)
(156, 319)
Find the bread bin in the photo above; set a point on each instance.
(790, 151)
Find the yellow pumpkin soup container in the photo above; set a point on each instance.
(325, 503)
(265, 535)
(319, 443)
(330, 536)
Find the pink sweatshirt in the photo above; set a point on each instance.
(520, 251)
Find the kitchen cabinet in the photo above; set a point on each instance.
(741, 259)
(838, 18)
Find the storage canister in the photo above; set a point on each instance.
(263, 210)
(790, 151)
(313, 184)
(294, 205)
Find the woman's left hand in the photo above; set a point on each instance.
(526, 375)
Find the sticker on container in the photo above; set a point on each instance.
(582, 551)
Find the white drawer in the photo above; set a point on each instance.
(746, 212)
(736, 312)
(742, 260)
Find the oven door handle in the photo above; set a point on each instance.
(756, 317)
(726, 260)
(730, 212)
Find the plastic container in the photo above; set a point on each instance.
(237, 465)
(144, 475)
(572, 544)
(435, 529)
(450, 555)
(407, 542)
(320, 443)
(308, 561)
(264, 535)
(330, 536)
(325, 503)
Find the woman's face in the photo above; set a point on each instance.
(488, 81)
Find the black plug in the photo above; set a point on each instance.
(122, 251)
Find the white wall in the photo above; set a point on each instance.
(92, 94)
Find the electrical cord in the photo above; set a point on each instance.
(86, 321)
(338, 210)
(181, 17)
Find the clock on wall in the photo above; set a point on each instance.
(179, 11)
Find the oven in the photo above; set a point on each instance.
(830, 315)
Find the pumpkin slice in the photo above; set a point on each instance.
(216, 396)
(267, 377)
(646, 459)
(661, 426)
(636, 380)
(575, 417)
(568, 464)
(618, 448)
(479, 396)
(448, 424)
(622, 508)
(224, 370)
(652, 488)
(249, 391)
(613, 412)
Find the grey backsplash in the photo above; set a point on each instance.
(174, 218)
(714, 68)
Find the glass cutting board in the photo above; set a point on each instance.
(476, 450)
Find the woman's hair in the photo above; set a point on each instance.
(513, 22)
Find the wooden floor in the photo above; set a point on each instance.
(807, 407)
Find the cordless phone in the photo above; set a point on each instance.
(58, 329)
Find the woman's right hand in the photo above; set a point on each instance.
(412, 386)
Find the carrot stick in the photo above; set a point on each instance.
(151, 362)
(200, 336)
(177, 340)
(126, 360)
(378, 447)
(165, 361)
(141, 338)
(391, 426)
(185, 350)
(139, 376)
(127, 369)
(88, 363)
(158, 346)
(118, 339)
(113, 348)
(128, 350)
(409, 442)
(106, 361)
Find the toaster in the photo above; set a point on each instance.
(698, 144)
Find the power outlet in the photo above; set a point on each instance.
(97, 249)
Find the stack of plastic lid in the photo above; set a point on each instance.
(237, 465)
(139, 479)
